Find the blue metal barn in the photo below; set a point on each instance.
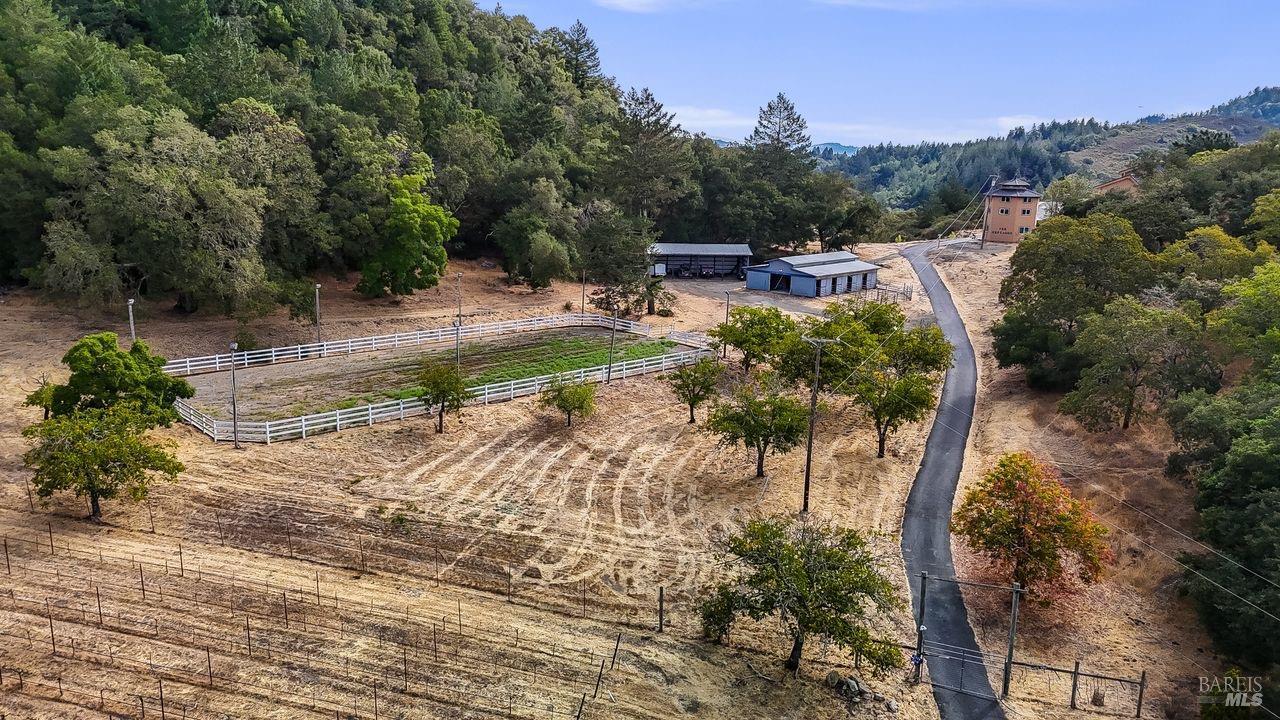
(819, 275)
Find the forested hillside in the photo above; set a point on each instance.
(910, 176)
(1166, 303)
(219, 152)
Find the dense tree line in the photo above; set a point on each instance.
(1134, 304)
(220, 151)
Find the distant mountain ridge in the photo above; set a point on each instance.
(836, 148)
(908, 175)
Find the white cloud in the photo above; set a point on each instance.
(711, 121)
(646, 6)
(899, 5)
(1009, 122)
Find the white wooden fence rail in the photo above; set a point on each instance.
(338, 420)
(312, 351)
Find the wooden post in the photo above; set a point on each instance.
(435, 647)
(616, 644)
(375, 701)
(584, 597)
(97, 593)
(53, 641)
(31, 504)
(248, 638)
(142, 582)
(580, 705)
(7, 569)
(662, 609)
(1013, 634)
(208, 664)
(1075, 684)
(284, 597)
(182, 568)
(1142, 691)
(289, 537)
(437, 567)
(404, 666)
(50, 526)
(161, 681)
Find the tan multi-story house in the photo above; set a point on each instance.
(1010, 212)
(1126, 183)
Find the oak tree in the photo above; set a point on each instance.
(1026, 523)
(442, 387)
(820, 581)
(763, 415)
(98, 453)
(572, 399)
(695, 384)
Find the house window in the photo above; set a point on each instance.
(1024, 230)
(1026, 200)
(1026, 211)
(1006, 198)
(1004, 211)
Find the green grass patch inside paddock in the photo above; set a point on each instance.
(547, 357)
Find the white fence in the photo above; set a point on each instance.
(312, 351)
(338, 420)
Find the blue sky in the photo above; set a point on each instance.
(864, 71)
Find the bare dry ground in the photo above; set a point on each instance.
(1133, 620)
(486, 571)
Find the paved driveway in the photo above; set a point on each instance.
(961, 687)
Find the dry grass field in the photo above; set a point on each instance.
(489, 571)
(1134, 619)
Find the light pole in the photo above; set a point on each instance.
(613, 333)
(133, 333)
(235, 410)
(457, 332)
(724, 348)
(318, 313)
(817, 344)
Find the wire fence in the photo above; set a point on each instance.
(447, 666)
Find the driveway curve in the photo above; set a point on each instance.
(960, 684)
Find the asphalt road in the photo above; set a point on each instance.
(961, 687)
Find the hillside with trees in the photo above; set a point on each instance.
(1161, 306)
(916, 176)
(221, 153)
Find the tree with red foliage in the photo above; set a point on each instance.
(1024, 520)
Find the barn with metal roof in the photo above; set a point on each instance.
(817, 275)
(698, 259)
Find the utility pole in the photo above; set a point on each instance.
(457, 332)
(318, 313)
(133, 333)
(982, 243)
(724, 347)
(235, 411)
(613, 333)
(817, 344)
(1013, 634)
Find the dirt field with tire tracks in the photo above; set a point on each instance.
(489, 571)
